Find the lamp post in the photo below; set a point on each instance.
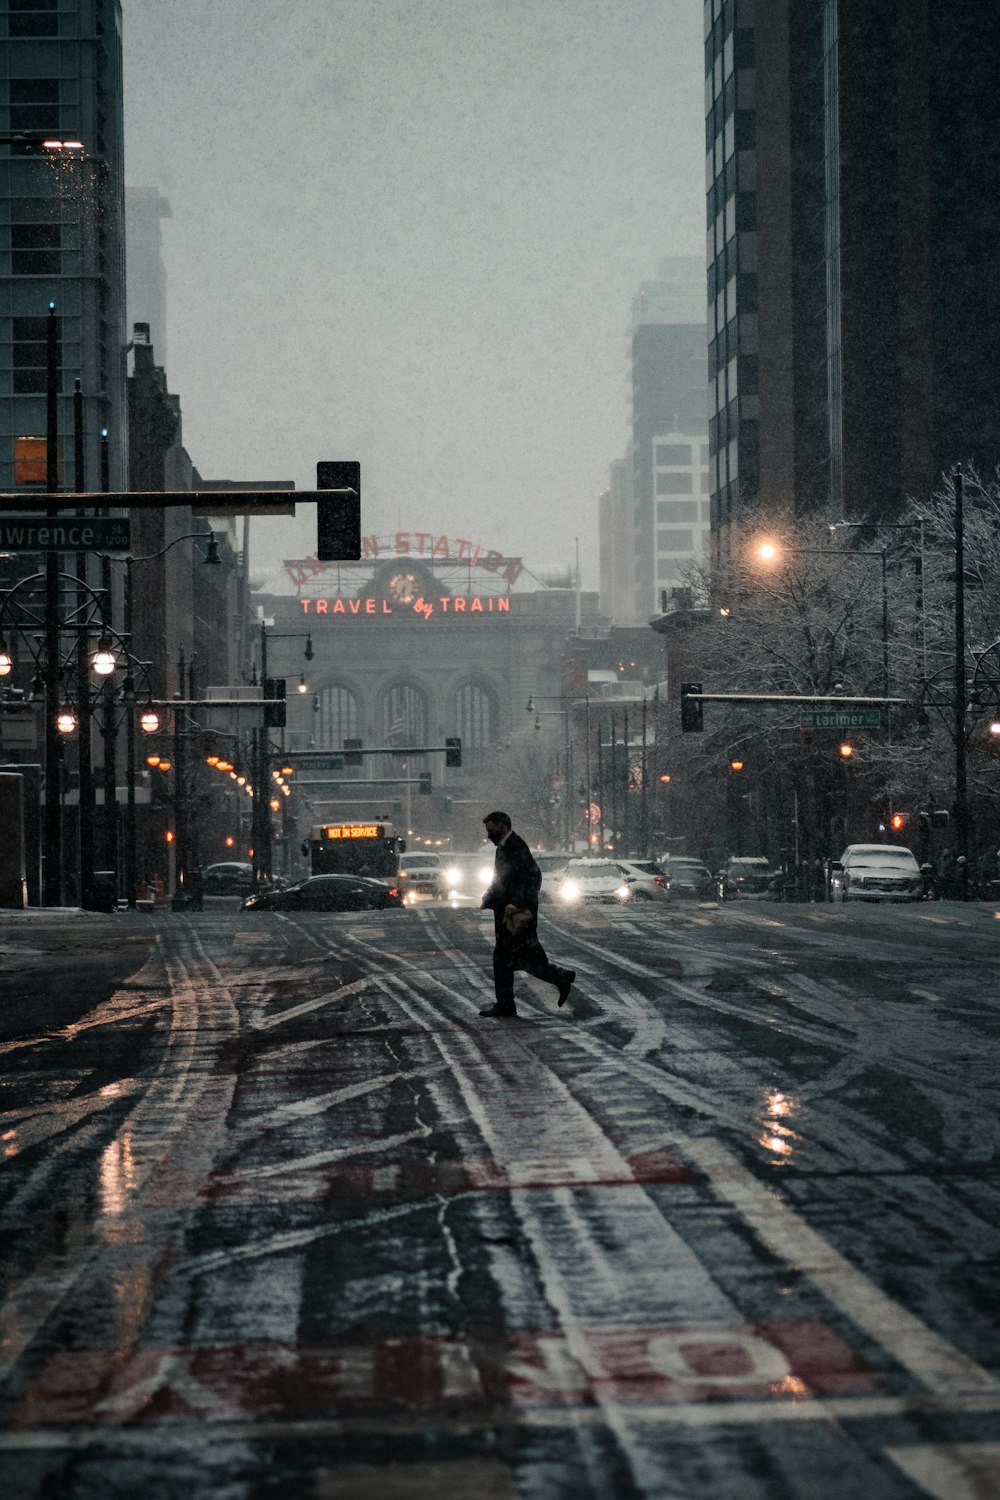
(261, 816)
(211, 559)
(568, 699)
(961, 743)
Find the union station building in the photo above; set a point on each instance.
(425, 638)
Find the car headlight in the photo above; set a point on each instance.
(569, 891)
(453, 875)
(486, 875)
(623, 893)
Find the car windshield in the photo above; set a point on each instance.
(749, 867)
(644, 866)
(590, 869)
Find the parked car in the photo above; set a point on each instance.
(876, 872)
(593, 880)
(687, 877)
(648, 881)
(745, 876)
(421, 875)
(230, 878)
(328, 893)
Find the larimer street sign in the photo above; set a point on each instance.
(65, 534)
(843, 718)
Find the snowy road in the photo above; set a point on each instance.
(281, 1211)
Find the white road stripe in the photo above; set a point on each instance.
(927, 1356)
(719, 1412)
(310, 1005)
(952, 1471)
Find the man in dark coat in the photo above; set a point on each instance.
(513, 899)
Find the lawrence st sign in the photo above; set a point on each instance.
(65, 534)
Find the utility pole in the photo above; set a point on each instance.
(85, 792)
(52, 884)
(961, 779)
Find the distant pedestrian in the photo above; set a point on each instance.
(513, 900)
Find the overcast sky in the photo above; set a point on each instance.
(408, 232)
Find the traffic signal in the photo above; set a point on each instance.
(425, 783)
(846, 751)
(274, 713)
(897, 821)
(452, 750)
(692, 715)
(353, 755)
(338, 520)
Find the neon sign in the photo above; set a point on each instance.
(417, 544)
(447, 604)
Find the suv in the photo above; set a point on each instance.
(745, 875)
(876, 872)
(421, 875)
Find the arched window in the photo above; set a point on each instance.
(337, 719)
(475, 716)
(404, 716)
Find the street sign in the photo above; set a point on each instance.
(318, 762)
(843, 718)
(65, 534)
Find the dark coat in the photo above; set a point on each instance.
(517, 881)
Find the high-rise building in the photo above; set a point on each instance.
(614, 525)
(853, 288)
(146, 279)
(668, 408)
(62, 234)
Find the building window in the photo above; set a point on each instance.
(34, 103)
(673, 454)
(475, 716)
(30, 355)
(676, 510)
(32, 18)
(673, 484)
(404, 716)
(675, 541)
(34, 249)
(667, 569)
(337, 719)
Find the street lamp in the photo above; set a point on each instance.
(66, 721)
(770, 552)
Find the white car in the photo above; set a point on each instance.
(648, 881)
(876, 872)
(467, 876)
(594, 880)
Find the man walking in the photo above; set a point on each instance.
(513, 899)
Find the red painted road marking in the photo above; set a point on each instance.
(257, 1381)
(413, 1177)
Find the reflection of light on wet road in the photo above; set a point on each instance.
(9, 1138)
(117, 1174)
(775, 1136)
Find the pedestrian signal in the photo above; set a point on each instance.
(898, 821)
(353, 755)
(425, 783)
(452, 750)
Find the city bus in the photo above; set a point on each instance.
(354, 848)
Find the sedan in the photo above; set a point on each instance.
(648, 881)
(688, 877)
(594, 880)
(328, 893)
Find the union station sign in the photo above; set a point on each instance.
(425, 544)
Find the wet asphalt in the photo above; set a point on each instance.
(281, 1215)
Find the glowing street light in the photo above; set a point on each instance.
(6, 660)
(66, 721)
(149, 722)
(103, 659)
